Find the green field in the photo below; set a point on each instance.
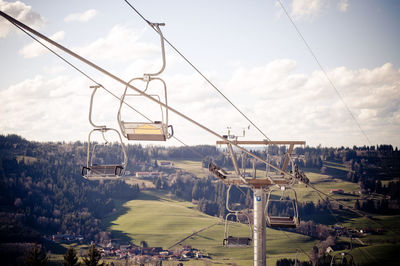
(193, 167)
(162, 221)
(158, 220)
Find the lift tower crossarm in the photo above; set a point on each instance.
(261, 142)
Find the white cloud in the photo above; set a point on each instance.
(35, 49)
(81, 17)
(284, 104)
(306, 106)
(45, 109)
(343, 5)
(120, 44)
(19, 11)
(309, 9)
(306, 8)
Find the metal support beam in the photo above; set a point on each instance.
(259, 234)
(289, 153)
(262, 142)
(233, 157)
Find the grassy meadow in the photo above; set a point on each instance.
(193, 167)
(162, 221)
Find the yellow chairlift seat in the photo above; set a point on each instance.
(145, 131)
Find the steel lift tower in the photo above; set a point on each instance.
(259, 186)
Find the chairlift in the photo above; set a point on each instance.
(221, 173)
(93, 170)
(235, 241)
(287, 220)
(149, 130)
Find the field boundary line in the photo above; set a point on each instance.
(193, 234)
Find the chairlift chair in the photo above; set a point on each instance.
(282, 221)
(146, 130)
(93, 170)
(235, 241)
(149, 130)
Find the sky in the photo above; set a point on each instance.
(249, 49)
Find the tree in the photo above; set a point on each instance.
(314, 255)
(143, 244)
(93, 257)
(36, 257)
(70, 258)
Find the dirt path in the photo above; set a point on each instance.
(195, 233)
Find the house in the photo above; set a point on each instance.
(124, 247)
(146, 174)
(166, 164)
(164, 253)
(187, 254)
(329, 250)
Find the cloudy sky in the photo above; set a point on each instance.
(248, 49)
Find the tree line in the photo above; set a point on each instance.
(42, 191)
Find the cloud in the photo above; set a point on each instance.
(81, 17)
(343, 5)
(306, 8)
(306, 106)
(283, 103)
(309, 9)
(34, 49)
(119, 45)
(19, 11)
(44, 109)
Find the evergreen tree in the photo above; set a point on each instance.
(357, 205)
(36, 257)
(93, 257)
(70, 258)
(143, 244)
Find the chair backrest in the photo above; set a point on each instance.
(286, 215)
(146, 130)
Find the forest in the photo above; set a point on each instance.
(42, 191)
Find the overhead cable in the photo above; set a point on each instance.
(323, 71)
(94, 81)
(199, 72)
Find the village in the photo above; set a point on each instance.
(134, 254)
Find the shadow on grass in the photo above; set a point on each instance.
(326, 217)
(148, 196)
(108, 222)
(121, 210)
(205, 237)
